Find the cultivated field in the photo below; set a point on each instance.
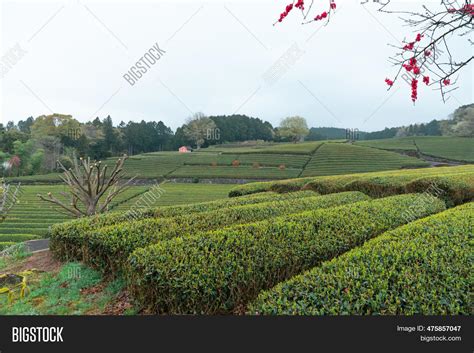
(312, 251)
(281, 161)
(453, 148)
(31, 218)
(339, 158)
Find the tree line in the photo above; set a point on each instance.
(35, 145)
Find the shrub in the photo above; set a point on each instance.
(457, 188)
(381, 185)
(421, 268)
(67, 238)
(288, 185)
(454, 189)
(6, 244)
(110, 246)
(220, 271)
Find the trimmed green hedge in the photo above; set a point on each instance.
(220, 271)
(67, 238)
(424, 267)
(109, 247)
(376, 184)
(454, 189)
(288, 185)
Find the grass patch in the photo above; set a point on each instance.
(68, 292)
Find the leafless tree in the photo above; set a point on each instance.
(427, 55)
(91, 189)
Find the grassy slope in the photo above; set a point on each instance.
(454, 148)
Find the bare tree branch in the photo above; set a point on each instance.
(88, 183)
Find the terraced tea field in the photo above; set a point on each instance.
(338, 158)
(452, 148)
(31, 218)
(400, 144)
(283, 161)
(276, 148)
(302, 252)
(455, 148)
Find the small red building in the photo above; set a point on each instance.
(184, 149)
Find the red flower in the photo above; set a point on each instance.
(414, 90)
(285, 13)
(389, 82)
(418, 37)
(324, 14)
(416, 70)
(446, 82)
(427, 52)
(409, 46)
(333, 5)
(300, 4)
(426, 80)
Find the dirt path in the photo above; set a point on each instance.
(42, 261)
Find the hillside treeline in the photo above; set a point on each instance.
(35, 145)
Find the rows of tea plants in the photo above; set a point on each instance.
(447, 147)
(251, 254)
(108, 247)
(423, 267)
(214, 272)
(30, 218)
(457, 183)
(342, 158)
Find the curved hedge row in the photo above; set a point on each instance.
(288, 185)
(421, 268)
(67, 238)
(220, 271)
(455, 189)
(376, 184)
(109, 247)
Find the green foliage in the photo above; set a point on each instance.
(62, 293)
(30, 218)
(454, 189)
(454, 148)
(68, 238)
(108, 248)
(342, 158)
(398, 144)
(448, 147)
(220, 271)
(424, 268)
(375, 184)
(288, 185)
(240, 172)
(197, 128)
(294, 128)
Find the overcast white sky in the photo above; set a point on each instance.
(216, 55)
